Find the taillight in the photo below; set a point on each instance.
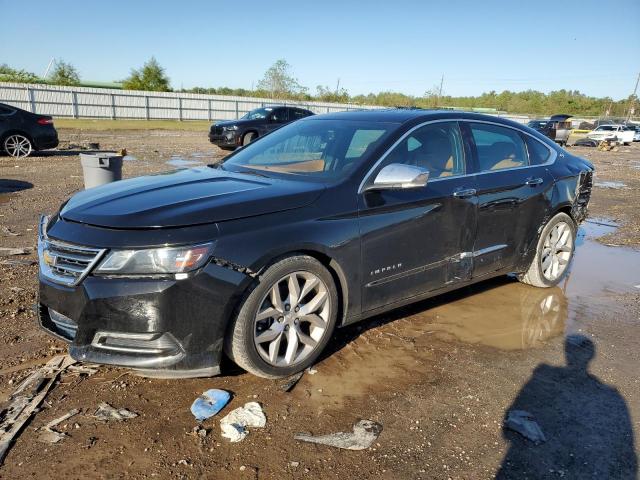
(45, 121)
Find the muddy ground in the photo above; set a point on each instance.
(440, 375)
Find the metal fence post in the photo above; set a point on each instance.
(113, 107)
(32, 99)
(74, 101)
(146, 107)
(209, 109)
(180, 107)
(237, 112)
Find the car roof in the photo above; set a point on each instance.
(404, 115)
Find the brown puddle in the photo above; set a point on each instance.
(500, 313)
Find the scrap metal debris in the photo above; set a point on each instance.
(209, 403)
(106, 413)
(288, 383)
(364, 433)
(18, 262)
(7, 252)
(234, 425)
(24, 401)
(523, 423)
(49, 435)
(8, 232)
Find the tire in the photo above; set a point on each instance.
(553, 256)
(281, 326)
(17, 145)
(248, 138)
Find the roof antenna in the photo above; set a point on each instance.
(46, 72)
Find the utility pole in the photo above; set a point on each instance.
(440, 90)
(632, 100)
(338, 86)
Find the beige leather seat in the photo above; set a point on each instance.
(504, 155)
(435, 154)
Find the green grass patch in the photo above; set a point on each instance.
(90, 124)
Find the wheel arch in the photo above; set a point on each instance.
(250, 130)
(16, 131)
(332, 265)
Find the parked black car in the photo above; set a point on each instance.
(23, 132)
(233, 133)
(537, 124)
(322, 223)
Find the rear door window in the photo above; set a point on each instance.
(498, 147)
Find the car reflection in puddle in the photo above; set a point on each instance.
(500, 313)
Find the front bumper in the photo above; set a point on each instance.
(226, 139)
(161, 327)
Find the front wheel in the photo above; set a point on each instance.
(248, 138)
(286, 320)
(17, 145)
(553, 254)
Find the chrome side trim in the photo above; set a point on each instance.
(552, 158)
(484, 251)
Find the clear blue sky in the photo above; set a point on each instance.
(587, 45)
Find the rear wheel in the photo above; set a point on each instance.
(248, 138)
(286, 320)
(17, 145)
(553, 254)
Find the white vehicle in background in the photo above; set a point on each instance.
(612, 133)
(636, 130)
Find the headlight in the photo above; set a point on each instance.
(229, 129)
(156, 260)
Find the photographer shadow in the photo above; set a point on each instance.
(587, 425)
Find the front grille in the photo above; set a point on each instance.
(216, 130)
(65, 263)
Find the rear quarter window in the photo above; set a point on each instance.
(539, 153)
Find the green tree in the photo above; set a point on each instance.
(325, 94)
(64, 74)
(8, 74)
(150, 77)
(279, 82)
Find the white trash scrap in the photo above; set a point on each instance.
(106, 412)
(234, 425)
(49, 435)
(364, 433)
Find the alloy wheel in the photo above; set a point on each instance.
(557, 251)
(17, 146)
(292, 319)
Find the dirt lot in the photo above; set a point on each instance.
(440, 376)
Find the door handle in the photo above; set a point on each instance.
(533, 181)
(464, 193)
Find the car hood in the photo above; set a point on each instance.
(239, 122)
(186, 197)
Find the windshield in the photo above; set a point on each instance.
(323, 149)
(606, 128)
(258, 113)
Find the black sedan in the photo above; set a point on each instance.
(23, 132)
(231, 134)
(320, 224)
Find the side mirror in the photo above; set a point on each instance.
(399, 176)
